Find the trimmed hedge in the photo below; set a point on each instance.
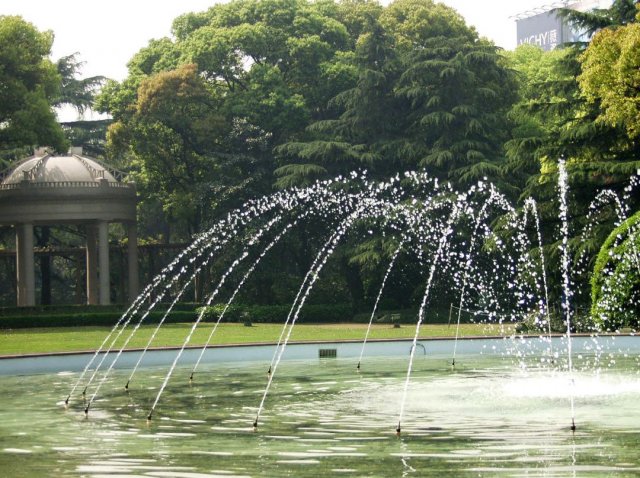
(312, 313)
(89, 318)
(115, 309)
(409, 316)
(73, 316)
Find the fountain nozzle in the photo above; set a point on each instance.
(358, 367)
(453, 362)
(86, 412)
(269, 371)
(255, 425)
(126, 387)
(398, 429)
(573, 425)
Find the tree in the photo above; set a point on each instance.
(30, 85)
(610, 77)
(556, 118)
(169, 132)
(536, 116)
(559, 117)
(615, 283)
(79, 93)
(429, 94)
(356, 137)
(597, 153)
(263, 70)
(621, 12)
(459, 91)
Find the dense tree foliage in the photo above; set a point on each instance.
(30, 85)
(294, 91)
(252, 95)
(609, 77)
(255, 95)
(78, 93)
(33, 86)
(615, 283)
(429, 94)
(560, 115)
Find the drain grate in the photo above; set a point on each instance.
(328, 353)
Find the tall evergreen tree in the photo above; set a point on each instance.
(367, 118)
(430, 94)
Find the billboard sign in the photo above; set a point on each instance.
(545, 30)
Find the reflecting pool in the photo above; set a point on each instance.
(489, 416)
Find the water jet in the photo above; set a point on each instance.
(323, 418)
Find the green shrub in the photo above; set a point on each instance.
(88, 318)
(312, 313)
(72, 316)
(615, 283)
(407, 316)
(536, 325)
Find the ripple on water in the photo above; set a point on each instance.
(452, 422)
(170, 474)
(19, 451)
(298, 462)
(557, 386)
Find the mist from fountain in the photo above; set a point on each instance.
(210, 299)
(494, 199)
(199, 246)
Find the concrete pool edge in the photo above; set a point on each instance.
(312, 342)
(258, 344)
(433, 347)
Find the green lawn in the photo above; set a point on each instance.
(66, 339)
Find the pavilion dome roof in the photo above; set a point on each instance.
(46, 189)
(74, 168)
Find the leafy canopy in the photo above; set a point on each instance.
(30, 85)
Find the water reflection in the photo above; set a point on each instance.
(488, 418)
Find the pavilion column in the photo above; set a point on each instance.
(25, 265)
(132, 249)
(103, 262)
(92, 265)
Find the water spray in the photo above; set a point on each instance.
(443, 242)
(375, 306)
(242, 281)
(321, 259)
(566, 285)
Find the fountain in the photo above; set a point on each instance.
(562, 404)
